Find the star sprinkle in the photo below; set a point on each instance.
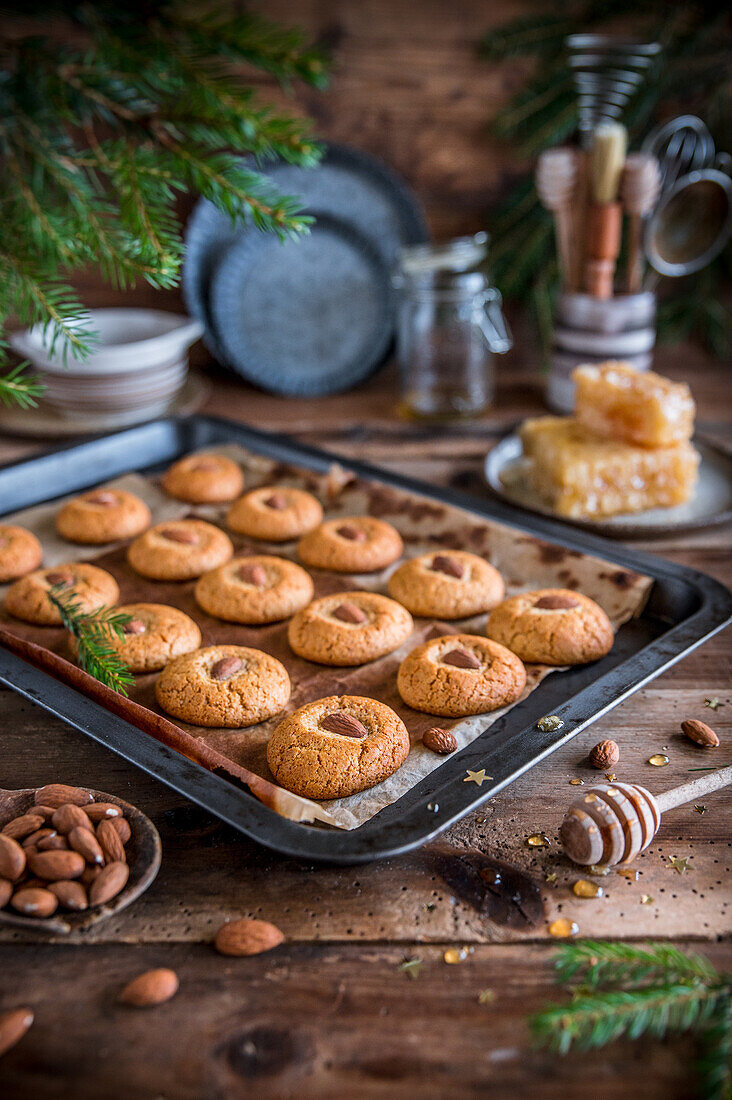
(646, 899)
(714, 703)
(411, 967)
(486, 997)
(679, 865)
(477, 777)
(701, 808)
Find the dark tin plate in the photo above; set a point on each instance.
(684, 609)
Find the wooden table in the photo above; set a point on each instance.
(330, 1013)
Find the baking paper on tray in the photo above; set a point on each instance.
(524, 561)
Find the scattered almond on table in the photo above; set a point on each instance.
(700, 733)
(247, 937)
(153, 987)
(13, 1026)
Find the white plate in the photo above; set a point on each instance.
(506, 472)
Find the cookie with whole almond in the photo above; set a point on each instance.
(154, 635)
(227, 686)
(349, 628)
(91, 588)
(204, 479)
(552, 626)
(355, 544)
(275, 514)
(460, 674)
(447, 584)
(102, 515)
(179, 550)
(257, 589)
(20, 552)
(337, 746)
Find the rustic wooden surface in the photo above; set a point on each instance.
(330, 1012)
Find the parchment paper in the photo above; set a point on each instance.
(525, 562)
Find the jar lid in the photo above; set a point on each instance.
(459, 254)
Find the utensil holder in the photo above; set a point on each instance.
(593, 330)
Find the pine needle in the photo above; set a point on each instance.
(92, 631)
(17, 388)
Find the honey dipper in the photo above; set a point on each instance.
(556, 183)
(613, 822)
(640, 185)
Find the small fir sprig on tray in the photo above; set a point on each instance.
(620, 991)
(18, 388)
(92, 631)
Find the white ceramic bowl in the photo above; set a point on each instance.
(136, 370)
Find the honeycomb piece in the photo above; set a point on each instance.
(580, 475)
(618, 402)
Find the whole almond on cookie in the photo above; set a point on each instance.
(13, 1026)
(252, 573)
(277, 501)
(343, 724)
(700, 733)
(23, 826)
(443, 742)
(461, 658)
(226, 668)
(247, 937)
(353, 534)
(111, 842)
(151, 988)
(349, 613)
(108, 883)
(57, 577)
(12, 858)
(34, 901)
(604, 755)
(56, 794)
(556, 603)
(104, 498)
(181, 535)
(451, 567)
(134, 626)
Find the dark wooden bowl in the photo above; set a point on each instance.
(144, 853)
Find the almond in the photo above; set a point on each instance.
(68, 817)
(23, 826)
(349, 613)
(226, 668)
(460, 658)
(46, 812)
(180, 534)
(151, 988)
(53, 866)
(56, 577)
(276, 501)
(86, 844)
(353, 534)
(34, 901)
(13, 1026)
(205, 464)
(445, 564)
(700, 733)
(53, 843)
(104, 498)
(100, 810)
(6, 890)
(56, 794)
(440, 741)
(111, 843)
(556, 602)
(71, 895)
(121, 827)
(343, 724)
(252, 573)
(108, 883)
(12, 858)
(35, 839)
(134, 626)
(247, 937)
(604, 755)
(89, 874)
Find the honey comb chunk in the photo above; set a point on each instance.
(617, 402)
(581, 475)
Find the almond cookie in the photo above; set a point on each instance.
(20, 552)
(460, 674)
(204, 479)
(155, 634)
(337, 746)
(227, 686)
(349, 628)
(103, 515)
(179, 550)
(90, 587)
(447, 585)
(356, 544)
(552, 626)
(275, 514)
(256, 589)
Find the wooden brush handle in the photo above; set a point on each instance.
(635, 256)
(705, 784)
(603, 246)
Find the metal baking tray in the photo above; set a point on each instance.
(685, 608)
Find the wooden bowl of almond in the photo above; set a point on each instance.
(71, 857)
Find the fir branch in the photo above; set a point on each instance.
(596, 963)
(16, 388)
(92, 631)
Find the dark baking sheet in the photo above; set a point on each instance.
(684, 608)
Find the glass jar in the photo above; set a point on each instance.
(449, 326)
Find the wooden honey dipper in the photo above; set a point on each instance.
(613, 822)
(556, 184)
(640, 185)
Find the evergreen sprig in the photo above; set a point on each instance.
(692, 75)
(93, 631)
(627, 992)
(108, 112)
(17, 388)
